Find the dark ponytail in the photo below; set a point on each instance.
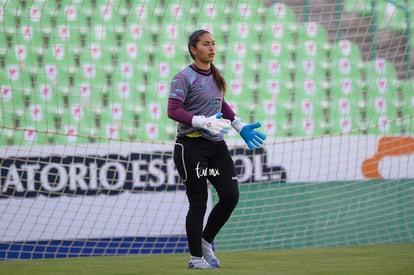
(218, 77)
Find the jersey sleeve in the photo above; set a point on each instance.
(179, 87)
(228, 113)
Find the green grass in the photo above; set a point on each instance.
(392, 259)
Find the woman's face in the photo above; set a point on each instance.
(205, 49)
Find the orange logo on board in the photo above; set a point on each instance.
(387, 147)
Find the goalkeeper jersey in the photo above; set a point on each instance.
(200, 96)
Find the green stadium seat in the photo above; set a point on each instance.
(124, 95)
(149, 13)
(213, 12)
(154, 128)
(274, 78)
(171, 32)
(161, 71)
(345, 113)
(28, 136)
(172, 53)
(240, 98)
(278, 49)
(309, 104)
(10, 11)
(77, 123)
(157, 91)
(407, 107)
(273, 116)
(382, 96)
(83, 94)
(303, 124)
(244, 71)
(382, 116)
(248, 12)
(6, 136)
(213, 16)
(112, 116)
(278, 32)
(181, 12)
(345, 63)
(242, 34)
(139, 34)
(308, 119)
(346, 98)
(362, 7)
(10, 103)
(312, 44)
(282, 14)
(346, 49)
(310, 69)
(380, 77)
(391, 15)
(17, 73)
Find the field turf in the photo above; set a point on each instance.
(392, 259)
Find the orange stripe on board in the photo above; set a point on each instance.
(387, 146)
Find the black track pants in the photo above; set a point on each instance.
(198, 160)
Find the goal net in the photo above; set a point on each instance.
(86, 145)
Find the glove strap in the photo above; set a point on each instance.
(238, 124)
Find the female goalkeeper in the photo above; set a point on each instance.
(196, 102)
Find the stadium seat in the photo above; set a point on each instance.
(6, 136)
(11, 11)
(380, 77)
(240, 97)
(382, 95)
(346, 49)
(242, 40)
(212, 10)
(244, 109)
(179, 12)
(407, 107)
(28, 136)
(215, 13)
(362, 7)
(345, 114)
(392, 15)
(308, 125)
(279, 49)
(81, 122)
(277, 32)
(248, 12)
(163, 129)
(346, 97)
(309, 105)
(12, 108)
(312, 44)
(274, 77)
(213, 17)
(283, 14)
(403, 102)
(345, 63)
(382, 117)
(274, 115)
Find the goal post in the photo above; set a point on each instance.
(86, 145)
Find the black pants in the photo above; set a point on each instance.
(198, 160)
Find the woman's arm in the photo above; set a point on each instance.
(227, 111)
(177, 112)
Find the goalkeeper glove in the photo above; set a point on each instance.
(253, 139)
(214, 124)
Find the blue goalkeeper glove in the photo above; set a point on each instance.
(214, 124)
(253, 138)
